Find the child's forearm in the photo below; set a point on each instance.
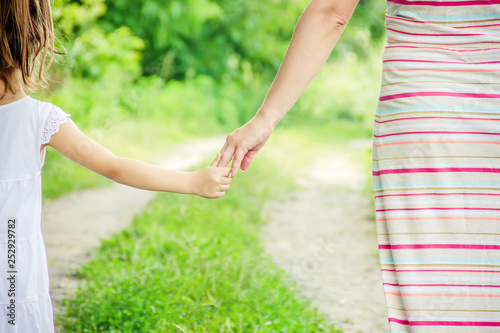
(149, 177)
(209, 182)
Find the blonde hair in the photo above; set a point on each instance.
(26, 42)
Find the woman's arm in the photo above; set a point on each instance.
(318, 30)
(210, 182)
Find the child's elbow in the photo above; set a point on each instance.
(114, 170)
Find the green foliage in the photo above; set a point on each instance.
(236, 41)
(169, 112)
(193, 265)
(224, 39)
(94, 53)
(366, 28)
(211, 37)
(346, 88)
(190, 262)
(74, 16)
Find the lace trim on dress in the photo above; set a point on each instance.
(54, 120)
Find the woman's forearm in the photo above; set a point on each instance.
(318, 30)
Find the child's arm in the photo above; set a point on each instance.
(210, 182)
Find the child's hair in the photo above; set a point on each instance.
(26, 42)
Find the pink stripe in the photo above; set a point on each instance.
(437, 218)
(478, 26)
(437, 208)
(420, 142)
(398, 321)
(423, 22)
(411, 118)
(445, 323)
(443, 62)
(433, 132)
(441, 295)
(440, 246)
(444, 285)
(447, 3)
(437, 270)
(441, 70)
(413, 194)
(417, 170)
(438, 93)
(435, 35)
(442, 43)
(438, 48)
(402, 19)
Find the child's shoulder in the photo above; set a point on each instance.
(28, 104)
(40, 108)
(29, 110)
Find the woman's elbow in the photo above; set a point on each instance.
(331, 13)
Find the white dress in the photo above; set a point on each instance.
(25, 303)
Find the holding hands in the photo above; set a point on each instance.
(244, 143)
(241, 146)
(318, 30)
(211, 182)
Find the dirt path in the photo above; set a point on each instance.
(74, 225)
(322, 236)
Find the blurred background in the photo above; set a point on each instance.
(201, 67)
(140, 76)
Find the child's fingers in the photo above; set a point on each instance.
(216, 161)
(224, 171)
(219, 194)
(225, 181)
(224, 188)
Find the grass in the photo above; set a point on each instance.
(188, 264)
(194, 265)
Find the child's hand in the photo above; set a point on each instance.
(211, 182)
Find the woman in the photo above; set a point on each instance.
(436, 153)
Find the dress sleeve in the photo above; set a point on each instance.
(54, 120)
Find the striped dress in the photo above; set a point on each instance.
(436, 166)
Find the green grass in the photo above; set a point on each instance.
(194, 265)
(188, 264)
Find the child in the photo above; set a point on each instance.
(27, 126)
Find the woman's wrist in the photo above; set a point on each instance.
(268, 117)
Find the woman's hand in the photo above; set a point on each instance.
(211, 182)
(244, 143)
(317, 32)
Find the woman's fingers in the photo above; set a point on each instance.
(216, 161)
(247, 160)
(227, 153)
(238, 157)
